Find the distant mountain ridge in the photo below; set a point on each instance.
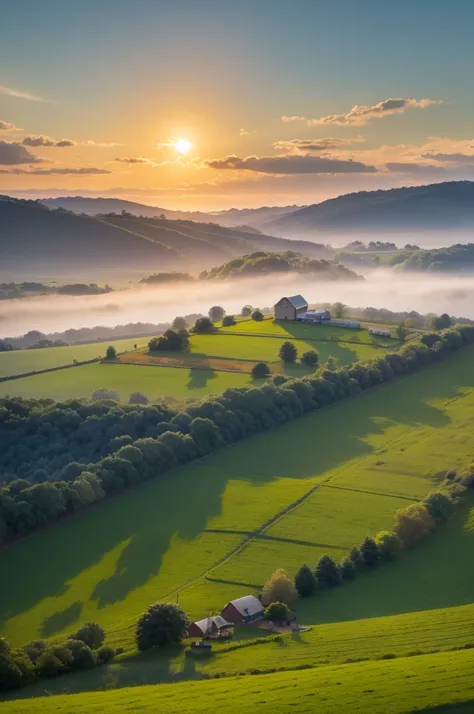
(37, 241)
(435, 207)
(233, 217)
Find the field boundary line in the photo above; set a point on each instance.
(372, 493)
(263, 536)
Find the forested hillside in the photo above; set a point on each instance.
(260, 264)
(35, 240)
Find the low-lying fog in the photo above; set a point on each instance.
(420, 292)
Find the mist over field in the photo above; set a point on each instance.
(381, 289)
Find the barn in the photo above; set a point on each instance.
(244, 609)
(288, 308)
(209, 627)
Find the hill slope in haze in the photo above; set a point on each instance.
(441, 206)
(232, 218)
(37, 241)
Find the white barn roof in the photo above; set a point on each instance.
(297, 301)
(209, 622)
(247, 605)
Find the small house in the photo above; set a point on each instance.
(244, 609)
(209, 627)
(288, 308)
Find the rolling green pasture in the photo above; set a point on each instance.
(153, 381)
(201, 530)
(337, 643)
(23, 361)
(266, 349)
(289, 329)
(398, 686)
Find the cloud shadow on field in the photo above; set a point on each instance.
(181, 503)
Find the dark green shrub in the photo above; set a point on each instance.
(260, 370)
(162, 624)
(305, 582)
(277, 612)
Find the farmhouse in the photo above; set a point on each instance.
(288, 308)
(244, 609)
(209, 627)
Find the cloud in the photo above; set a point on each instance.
(413, 168)
(289, 164)
(84, 170)
(459, 159)
(361, 114)
(18, 94)
(306, 145)
(42, 140)
(135, 160)
(12, 153)
(8, 126)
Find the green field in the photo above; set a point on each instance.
(24, 361)
(155, 382)
(288, 329)
(111, 562)
(398, 686)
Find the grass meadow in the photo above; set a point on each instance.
(24, 361)
(397, 686)
(155, 382)
(200, 532)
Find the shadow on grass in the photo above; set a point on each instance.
(198, 378)
(438, 573)
(140, 525)
(61, 619)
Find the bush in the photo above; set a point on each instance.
(279, 588)
(179, 323)
(369, 552)
(288, 353)
(83, 656)
(48, 665)
(347, 569)
(388, 544)
(439, 505)
(277, 612)
(228, 321)
(310, 358)
(111, 352)
(246, 310)
(91, 633)
(327, 572)
(162, 624)
(257, 315)
(106, 394)
(413, 523)
(356, 558)
(203, 325)
(138, 398)
(34, 649)
(105, 654)
(260, 370)
(305, 582)
(10, 673)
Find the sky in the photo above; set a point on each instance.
(212, 104)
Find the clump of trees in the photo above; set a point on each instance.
(162, 624)
(279, 588)
(310, 358)
(216, 313)
(257, 315)
(277, 612)
(84, 649)
(203, 325)
(228, 321)
(171, 340)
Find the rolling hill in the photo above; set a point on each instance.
(232, 218)
(36, 241)
(437, 207)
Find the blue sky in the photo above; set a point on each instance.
(222, 74)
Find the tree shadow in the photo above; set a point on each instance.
(61, 619)
(198, 378)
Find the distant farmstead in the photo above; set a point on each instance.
(209, 627)
(244, 609)
(288, 308)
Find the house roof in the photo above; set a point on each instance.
(247, 605)
(297, 301)
(210, 623)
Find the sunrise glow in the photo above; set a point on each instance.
(182, 146)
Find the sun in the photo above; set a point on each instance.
(182, 146)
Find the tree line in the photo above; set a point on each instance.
(60, 458)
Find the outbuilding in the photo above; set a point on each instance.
(209, 627)
(244, 609)
(288, 308)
